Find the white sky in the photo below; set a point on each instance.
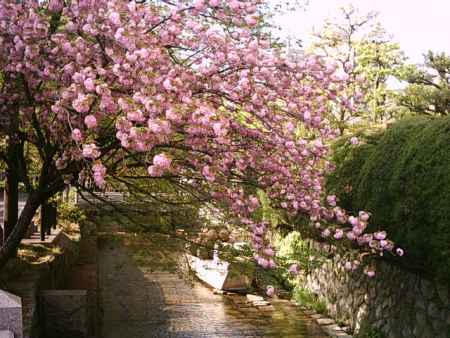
(418, 25)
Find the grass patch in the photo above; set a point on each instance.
(309, 300)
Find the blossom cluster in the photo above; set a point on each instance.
(193, 88)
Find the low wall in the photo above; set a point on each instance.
(47, 275)
(398, 303)
(84, 275)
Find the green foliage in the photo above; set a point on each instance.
(273, 277)
(266, 212)
(290, 249)
(307, 299)
(166, 204)
(368, 331)
(428, 91)
(294, 249)
(361, 42)
(402, 176)
(378, 60)
(71, 213)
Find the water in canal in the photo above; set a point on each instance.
(143, 296)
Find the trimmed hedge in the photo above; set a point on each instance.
(402, 176)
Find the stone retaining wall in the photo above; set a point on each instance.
(398, 303)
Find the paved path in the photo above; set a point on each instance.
(144, 294)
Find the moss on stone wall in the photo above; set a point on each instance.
(402, 176)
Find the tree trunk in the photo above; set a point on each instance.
(44, 220)
(11, 203)
(9, 249)
(11, 194)
(48, 218)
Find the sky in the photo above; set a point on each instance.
(417, 25)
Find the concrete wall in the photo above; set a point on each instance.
(49, 275)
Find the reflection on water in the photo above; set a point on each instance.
(139, 299)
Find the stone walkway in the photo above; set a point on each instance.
(143, 295)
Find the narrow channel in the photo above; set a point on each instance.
(143, 295)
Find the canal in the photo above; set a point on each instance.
(145, 293)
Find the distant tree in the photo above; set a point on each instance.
(366, 57)
(378, 61)
(428, 90)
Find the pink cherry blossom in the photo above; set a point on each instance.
(208, 173)
(354, 140)
(187, 88)
(81, 104)
(351, 235)
(235, 4)
(154, 171)
(364, 216)
(90, 151)
(294, 269)
(348, 265)
(370, 273)
(90, 121)
(89, 84)
(339, 233)
(162, 161)
(77, 136)
(99, 172)
(331, 200)
(353, 221)
(269, 252)
(380, 235)
(263, 262)
(271, 263)
(55, 5)
(115, 18)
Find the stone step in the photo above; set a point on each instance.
(6, 334)
(325, 321)
(10, 314)
(254, 298)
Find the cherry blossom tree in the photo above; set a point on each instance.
(186, 91)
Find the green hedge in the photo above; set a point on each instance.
(402, 176)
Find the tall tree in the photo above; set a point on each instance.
(378, 61)
(188, 92)
(366, 58)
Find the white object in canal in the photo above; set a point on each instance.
(220, 274)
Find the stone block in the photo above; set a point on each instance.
(254, 298)
(65, 313)
(266, 308)
(11, 313)
(263, 303)
(341, 335)
(6, 334)
(325, 321)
